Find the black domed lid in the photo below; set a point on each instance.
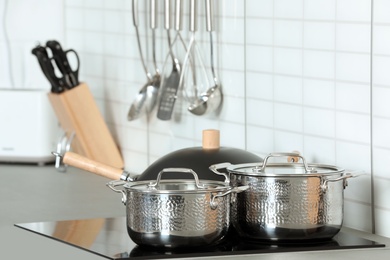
(199, 159)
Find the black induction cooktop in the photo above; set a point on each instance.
(107, 237)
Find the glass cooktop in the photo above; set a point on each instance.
(107, 237)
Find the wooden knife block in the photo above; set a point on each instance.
(77, 112)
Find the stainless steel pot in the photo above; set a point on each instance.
(176, 213)
(287, 201)
(170, 213)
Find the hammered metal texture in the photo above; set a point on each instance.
(277, 207)
(187, 214)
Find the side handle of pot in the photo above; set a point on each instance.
(344, 178)
(214, 203)
(215, 167)
(113, 184)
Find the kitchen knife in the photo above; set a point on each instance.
(61, 59)
(57, 84)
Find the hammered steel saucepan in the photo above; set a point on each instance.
(169, 213)
(287, 201)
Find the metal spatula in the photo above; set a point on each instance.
(170, 84)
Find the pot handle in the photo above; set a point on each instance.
(294, 155)
(215, 167)
(324, 185)
(113, 184)
(214, 203)
(184, 170)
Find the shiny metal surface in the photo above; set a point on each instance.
(146, 98)
(176, 220)
(170, 84)
(210, 99)
(176, 213)
(287, 201)
(63, 146)
(89, 199)
(106, 237)
(287, 208)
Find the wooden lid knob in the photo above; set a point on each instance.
(293, 158)
(210, 139)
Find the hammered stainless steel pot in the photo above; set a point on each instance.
(176, 213)
(169, 213)
(287, 201)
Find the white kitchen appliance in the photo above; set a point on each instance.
(29, 129)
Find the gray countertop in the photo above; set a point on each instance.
(30, 193)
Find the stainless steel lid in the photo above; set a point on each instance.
(293, 169)
(179, 186)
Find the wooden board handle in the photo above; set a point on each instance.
(210, 139)
(81, 162)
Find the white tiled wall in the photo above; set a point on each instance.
(381, 115)
(307, 75)
(318, 70)
(18, 69)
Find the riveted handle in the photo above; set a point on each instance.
(214, 198)
(344, 178)
(113, 184)
(215, 167)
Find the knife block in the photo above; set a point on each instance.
(77, 112)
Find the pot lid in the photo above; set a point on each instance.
(178, 185)
(293, 169)
(199, 159)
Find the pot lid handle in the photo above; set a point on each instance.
(210, 139)
(184, 170)
(294, 155)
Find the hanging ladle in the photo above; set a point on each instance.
(212, 97)
(193, 63)
(146, 98)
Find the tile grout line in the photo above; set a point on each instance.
(335, 82)
(303, 81)
(273, 77)
(371, 125)
(245, 84)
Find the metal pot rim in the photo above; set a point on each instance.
(316, 170)
(207, 187)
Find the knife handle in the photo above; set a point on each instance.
(62, 62)
(57, 84)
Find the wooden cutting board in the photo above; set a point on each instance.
(77, 112)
